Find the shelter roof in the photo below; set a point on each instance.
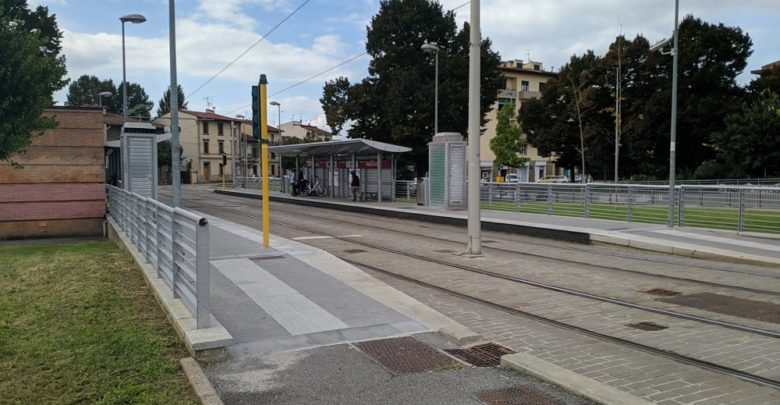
(352, 146)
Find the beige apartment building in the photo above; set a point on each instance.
(206, 136)
(297, 129)
(523, 81)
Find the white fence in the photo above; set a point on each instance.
(173, 240)
(741, 208)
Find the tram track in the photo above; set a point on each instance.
(682, 358)
(521, 280)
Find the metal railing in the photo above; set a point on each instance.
(739, 208)
(274, 183)
(763, 181)
(405, 190)
(174, 241)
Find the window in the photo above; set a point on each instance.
(205, 127)
(524, 85)
(541, 87)
(219, 129)
(504, 101)
(205, 146)
(221, 147)
(502, 84)
(537, 66)
(524, 150)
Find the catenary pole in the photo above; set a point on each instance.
(474, 244)
(673, 135)
(174, 103)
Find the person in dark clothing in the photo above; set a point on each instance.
(355, 183)
(301, 183)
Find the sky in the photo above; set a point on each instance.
(322, 34)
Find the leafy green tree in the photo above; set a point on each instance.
(395, 102)
(165, 101)
(138, 102)
(86, 89)
(30, 72)
(334, 100)
(508, 144)
(767, 80)
(750, 138)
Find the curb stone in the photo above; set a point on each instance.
(199, 382)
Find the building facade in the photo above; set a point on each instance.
(523, 81)
(60, 188)
(206, 136)
(297, 129)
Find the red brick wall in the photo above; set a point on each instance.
(60, 190)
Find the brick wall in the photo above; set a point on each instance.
(60, 190)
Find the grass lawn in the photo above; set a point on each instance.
(718, 218)
(79, 325)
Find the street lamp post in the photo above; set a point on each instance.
(428, 47)
(660, 46)
(278, 119)
(673, 135)
(101, 95)
(135, 19)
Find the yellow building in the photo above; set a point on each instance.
(522, 82)
(206, 136)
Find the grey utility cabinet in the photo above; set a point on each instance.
(447, 171)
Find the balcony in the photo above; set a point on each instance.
(507, 93)
(528, 95)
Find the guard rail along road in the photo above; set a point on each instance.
(739, 208)
(174, 241)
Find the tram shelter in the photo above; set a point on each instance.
(331, 162)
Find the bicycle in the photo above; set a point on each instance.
(316, 188)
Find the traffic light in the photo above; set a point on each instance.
(256, 112)
(224, 159)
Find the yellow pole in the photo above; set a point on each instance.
(264, 156)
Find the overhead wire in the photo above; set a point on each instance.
(250, 48)
(326, 70)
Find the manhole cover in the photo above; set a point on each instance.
(266, 257)
(727, 305)
(444, 251)
(405, 355)
(487, 355)
(662, 292)
(355, 251)
(647, 326)
(521, 394)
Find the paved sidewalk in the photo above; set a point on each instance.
(298, 314)
(691, 242)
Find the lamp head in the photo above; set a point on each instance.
(105, 94)
(133, 18)
(429, 47)
(274, 103)
(660, 45)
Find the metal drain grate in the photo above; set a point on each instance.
(649, 326)
(405, 355)
(355, 251)
(662, 292)
(486, 355)
(727, 305)
(521, 394)
(444, 251)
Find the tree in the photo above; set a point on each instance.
(334, 100)
(508, 144)
(750, 139)
(30, 72)
(395, 102)
(86, 89)
(138, 103)
(165, 101)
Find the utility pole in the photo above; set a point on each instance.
(174, 103)
(475, 52)
(673, 135)
(618, 106)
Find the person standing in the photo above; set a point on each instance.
(355, 183)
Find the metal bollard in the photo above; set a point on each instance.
(202, 273)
